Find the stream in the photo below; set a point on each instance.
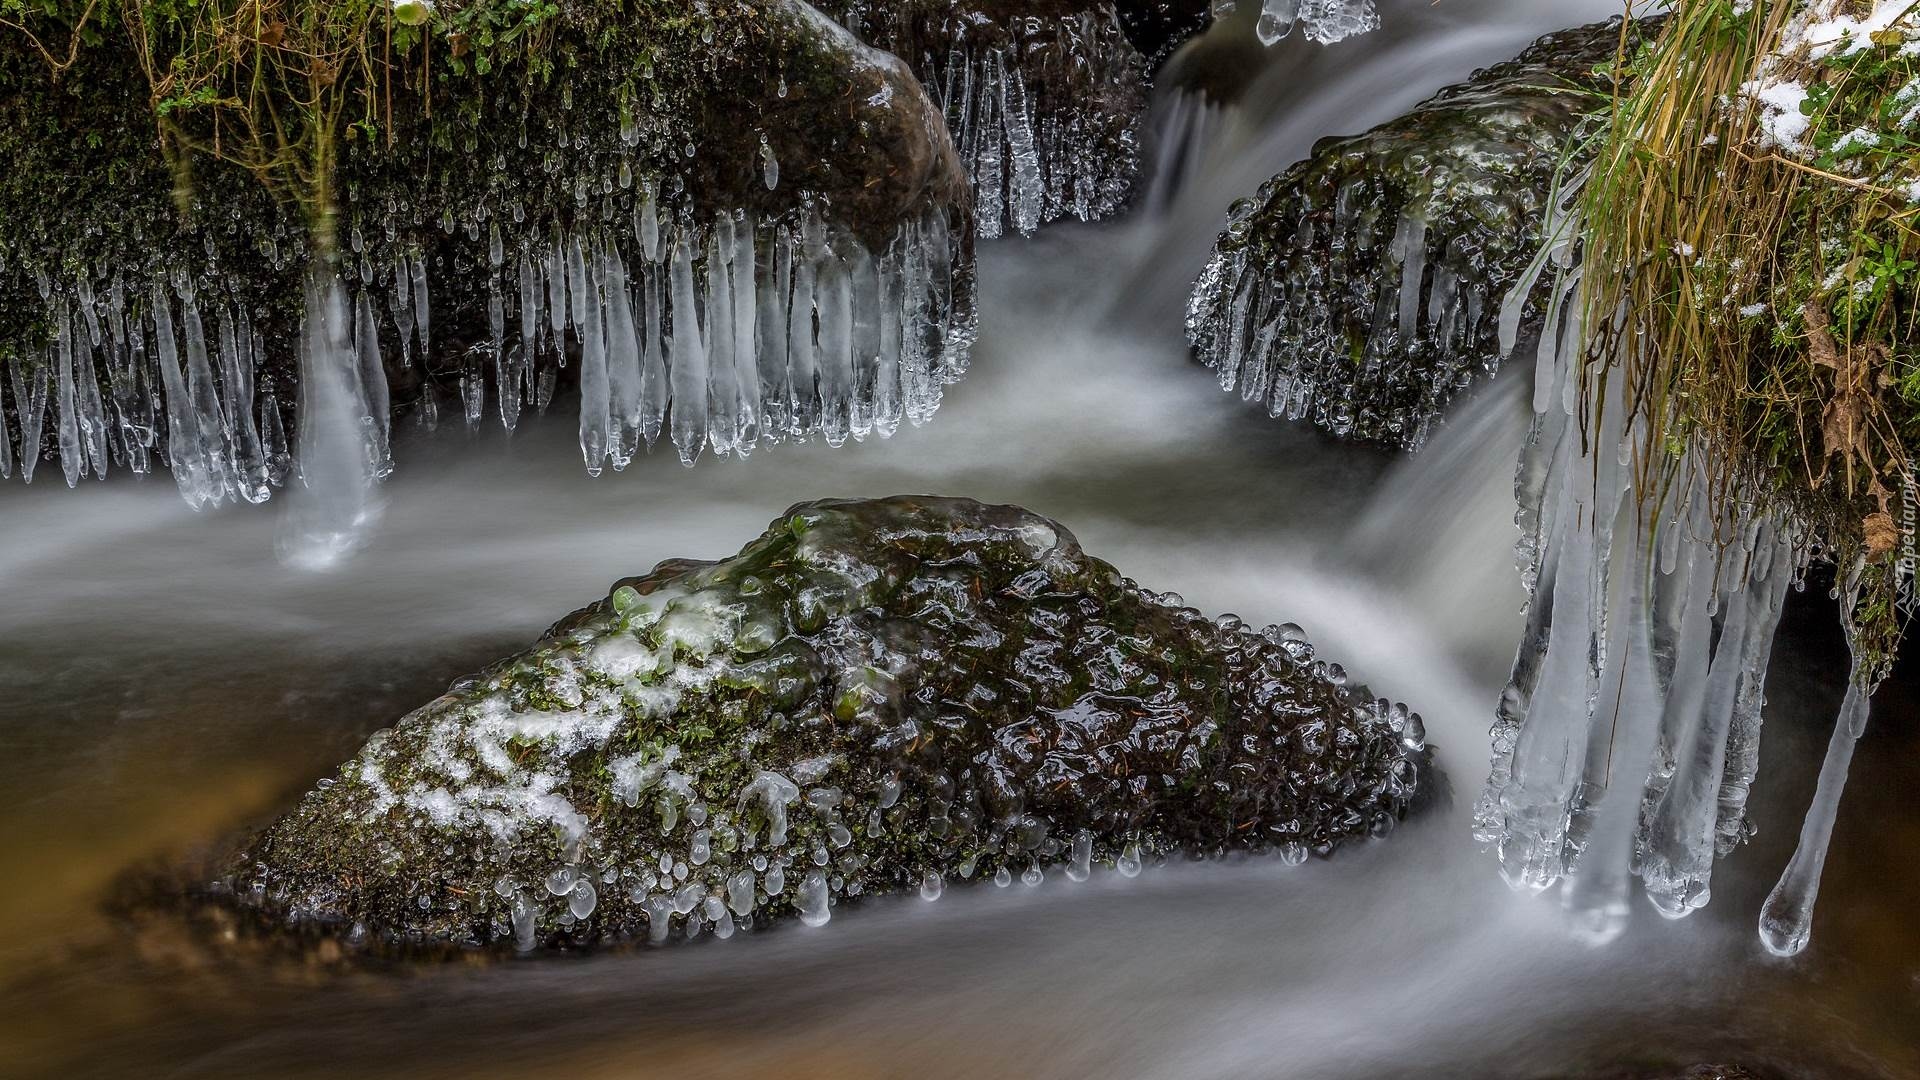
(165, 681)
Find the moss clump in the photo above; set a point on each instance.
(1751, 251)
(871, 696)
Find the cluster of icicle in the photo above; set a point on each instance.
(734, 335)
(1272, 330)
(1628, 739)
(723, 337)
(1321, 21)
(134, 375)
(1027, 171)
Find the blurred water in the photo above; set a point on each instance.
(164, 679)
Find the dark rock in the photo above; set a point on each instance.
(1362, 288)
(872, 697)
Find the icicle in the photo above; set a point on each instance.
(1409, 248)
(688, 359)
(185, 450)
(30, 395)
(1786, 919)
(377, 420)
(420, 304)
(1546, 758)
(505, 383)
(802, 355)
(250, 473)
(886, 381)
(988, 181)
(623, 362)
(6, 444)
(722, 391)
(1679, 864)
(647, 225)
(1630, 707)
(273, 436)
(746, 339)
(1742, 760)
(769, 165)
(557, 296)
(93, 414)
(72, 457)
(776, 393)
(403, 306)
(578, 287)
(205, 399)
(595, 414)
(654, 384)
(864, 292)
(836, 349)
(1024, 189)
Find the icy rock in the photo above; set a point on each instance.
(494, 248)
(1362, 288)
(1045, 101)
(1005, 704)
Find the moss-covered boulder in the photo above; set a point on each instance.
(1045, 100)
(445, 172)
(1364, 287)
(874, 696)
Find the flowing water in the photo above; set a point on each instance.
(164, 680)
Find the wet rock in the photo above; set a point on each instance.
(469, 160)
(873, 697)
(1362, 288)
(1045, 101)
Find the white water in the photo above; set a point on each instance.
(165, 677)
(1405, 957)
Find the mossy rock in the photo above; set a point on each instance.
(1362, 288)
(874, 696)
(477, 139)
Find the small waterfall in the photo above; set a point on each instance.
(338, 458)
(1182, 132)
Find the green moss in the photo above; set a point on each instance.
(978, 694)
(178, 144)
(1772, 290)
(1308, 270)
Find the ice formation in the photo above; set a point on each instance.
(1627, 740)
(708, 253)
(875, 696)
(1321, 21)
(1045, 112)
(723, 335)
(1362, 288)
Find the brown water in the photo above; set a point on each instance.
(163, 681)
